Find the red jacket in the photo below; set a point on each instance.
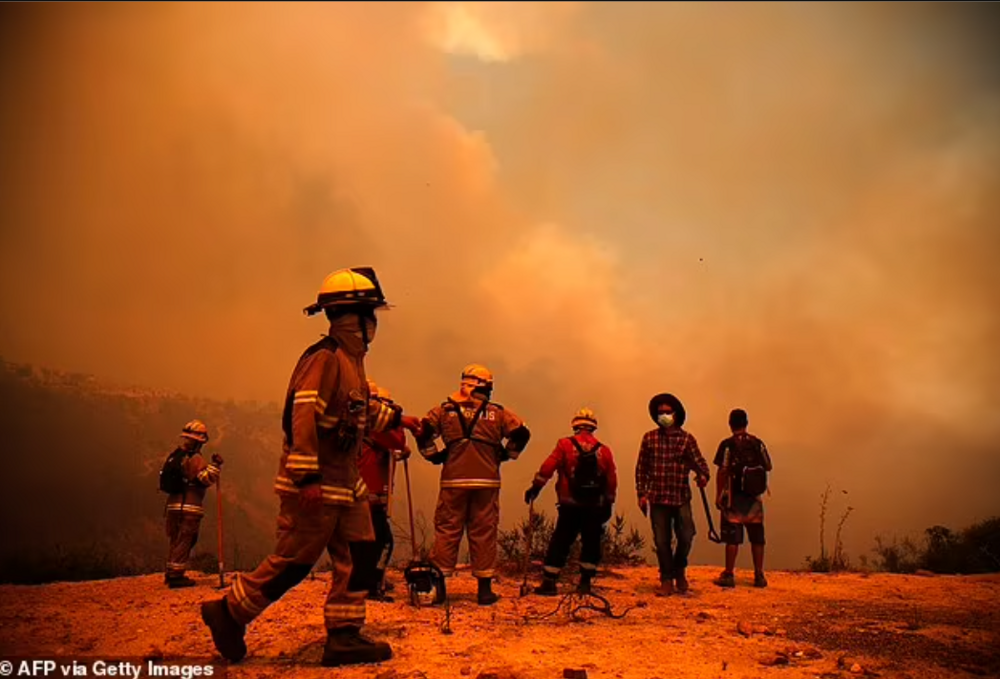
(374, 461)
(563, 460)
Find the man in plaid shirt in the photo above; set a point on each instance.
(667, 455)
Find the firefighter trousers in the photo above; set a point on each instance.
(574, 521)
(472, 510)
(182, 531)
(371, 558)
(302, 537)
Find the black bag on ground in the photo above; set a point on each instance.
(172, 479)
(588, 484)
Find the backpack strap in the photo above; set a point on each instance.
(580, 449)
(468, 426)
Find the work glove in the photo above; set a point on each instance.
(644, 505)
(217, 459)
(531, 494)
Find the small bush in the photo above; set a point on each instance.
(621, 545)
(975, 549)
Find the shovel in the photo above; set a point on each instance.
(218, 511)
(712, 535)
(529, 535)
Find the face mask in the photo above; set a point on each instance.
(369, 326)
(485, 392)
(665, 419)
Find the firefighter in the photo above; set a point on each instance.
(324, 501)
(185, 502)
(478, 436)
(371, 558)
(586, 491)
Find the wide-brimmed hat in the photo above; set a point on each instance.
(679, 413)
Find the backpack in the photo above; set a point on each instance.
(588, 483)
(748, 463)
(172, 479)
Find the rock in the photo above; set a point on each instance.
(775, 660)
(857, 669)
(388, 674)
(154, 653)
(466, 671)
(574, 674)
(703, 616)
(781, 633)
(812, 653)
(744, 628)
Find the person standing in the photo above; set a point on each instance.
(743, 462)
(185, 477)
(478, 437)
(586, 489)
(667, 456)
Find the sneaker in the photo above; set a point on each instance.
(726, 579)
(346, 646)
(666, 588)
(759, 580)
(227, 633)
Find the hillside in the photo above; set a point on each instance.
(802, 626)
(85, 456)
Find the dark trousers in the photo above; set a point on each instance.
(371, 558)
(669, 521)
(573, 521)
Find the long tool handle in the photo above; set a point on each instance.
(218, 521)
(529, 534)
(392, 478)
(712, 535)
(409, 504)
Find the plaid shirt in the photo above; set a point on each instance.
(666, 457)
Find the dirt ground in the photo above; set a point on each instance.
(803, 625)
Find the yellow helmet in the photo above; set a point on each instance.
(585, 417)
(195, 429)
(349, 287)
(477, 376)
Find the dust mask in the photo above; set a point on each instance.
(665, 420)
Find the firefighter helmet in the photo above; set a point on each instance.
(357, 286)
(585, 417)
(195, 429)
(477, 376)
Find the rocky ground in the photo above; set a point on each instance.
(803, 625)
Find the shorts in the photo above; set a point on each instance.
(732, 533)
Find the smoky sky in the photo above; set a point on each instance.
(790, 208)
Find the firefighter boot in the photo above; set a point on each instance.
(177, 581)
(584, 586)
(346, 646)
(548, 586)
(227, 634)
(486, 595)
